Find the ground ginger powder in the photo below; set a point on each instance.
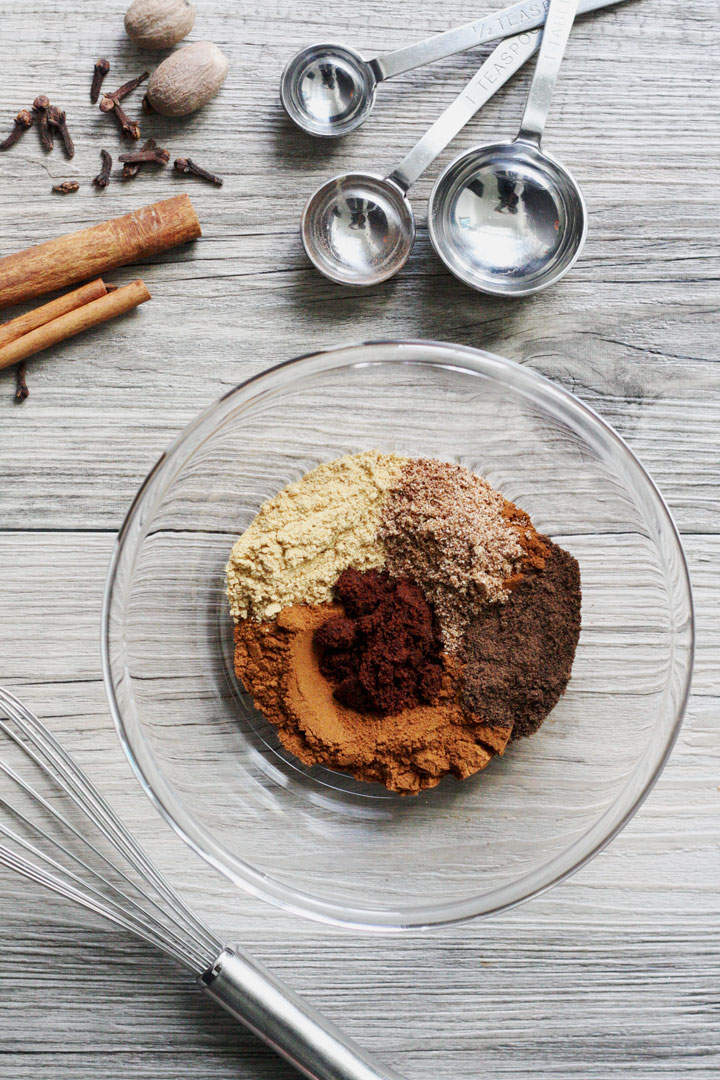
(304, 537)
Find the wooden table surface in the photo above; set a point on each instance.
(613, 974)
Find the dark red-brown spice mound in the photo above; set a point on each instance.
(383, 654)
(519, 655)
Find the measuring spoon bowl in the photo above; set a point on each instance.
(507, 219)
(358, 229)
(327, 89)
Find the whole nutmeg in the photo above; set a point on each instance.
(188, 79)
(158, 24)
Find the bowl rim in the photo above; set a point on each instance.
(245, 875)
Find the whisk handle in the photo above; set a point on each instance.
(280, 1017)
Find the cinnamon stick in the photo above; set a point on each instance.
(74, 322)
(10, 331)
(84, 254)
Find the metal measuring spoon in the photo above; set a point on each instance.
(329, 90)
(359, 228)
(507, 218)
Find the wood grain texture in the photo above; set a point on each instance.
(615, 974)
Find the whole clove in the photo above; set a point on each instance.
(154, 156)
(129, 128)
(21, 388)
(102, 66)
(41, 104)
(57, 120)
(67, 187)
(103, 177)
(111, 103)
(128, 87)
(130, 170)
(22, 122)
(187, 165)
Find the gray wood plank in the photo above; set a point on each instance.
(612, 974)
(615, 973)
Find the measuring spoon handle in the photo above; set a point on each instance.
(558, 24)
(503, 62)
(527, 15)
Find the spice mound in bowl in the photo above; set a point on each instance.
(398, 620)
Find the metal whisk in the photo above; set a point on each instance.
(57, 830)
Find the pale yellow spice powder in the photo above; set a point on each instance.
(304, 537)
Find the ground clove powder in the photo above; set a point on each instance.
(518, 655)
(384, 653)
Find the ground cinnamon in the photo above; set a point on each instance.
(407, 751)
(535, 549)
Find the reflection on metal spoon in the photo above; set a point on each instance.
(507, 218)
(358, 229)
(329, 90)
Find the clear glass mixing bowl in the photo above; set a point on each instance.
(322, 844)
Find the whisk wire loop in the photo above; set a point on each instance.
(166, 912)
(187, 958)
(129, 914)
(149, 907)
(44, 838)
(92, 803)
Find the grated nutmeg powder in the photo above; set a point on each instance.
(447, 529)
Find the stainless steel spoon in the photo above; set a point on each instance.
(329, 90)
(359, 228)
(507, 218)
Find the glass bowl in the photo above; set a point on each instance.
(317, 842)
